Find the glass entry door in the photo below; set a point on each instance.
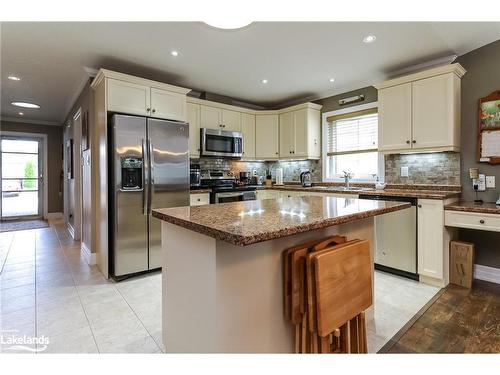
(22, 177)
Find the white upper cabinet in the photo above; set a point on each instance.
(231, 120)
(193, 118)
(300, 134)
(435, 113)
(248, 130)
(394, 109)
(267, 137)
(421, 112)
(127, 97)
(168, 105)
(139, 96)
(211, 117)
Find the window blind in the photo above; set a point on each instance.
(355, 134)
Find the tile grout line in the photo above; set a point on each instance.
(140, 320)
(7, 255)
(77, 292)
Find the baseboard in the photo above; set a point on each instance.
(89, 256)
(486, 273)
(54, 216)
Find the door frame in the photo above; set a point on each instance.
(43, 137)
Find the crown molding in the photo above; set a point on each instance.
(29, 121)
(71, 102)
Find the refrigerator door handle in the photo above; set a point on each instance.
(151, 175)
(145, 176)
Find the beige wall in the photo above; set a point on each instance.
(54, 156)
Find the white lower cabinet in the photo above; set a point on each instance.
(431, 238)
(199, 199)
(267, 194)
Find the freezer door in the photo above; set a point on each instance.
(168, 151)
(129, 221)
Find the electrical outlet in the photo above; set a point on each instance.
(490, 182)
(479, 182)
(404, 171)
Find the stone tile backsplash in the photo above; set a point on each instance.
(291, 169)
(438, 168)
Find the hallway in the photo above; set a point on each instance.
(47, 288)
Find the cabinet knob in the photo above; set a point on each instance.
(154, 110)
(276, 153)
(419, 206)
(408, 142)
(414, 141)
(148, 109)
(481, 221)
(199, 199)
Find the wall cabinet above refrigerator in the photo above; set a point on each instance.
(421, 112)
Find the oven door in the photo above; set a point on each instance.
(221, 143)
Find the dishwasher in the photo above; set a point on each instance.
(396, 238)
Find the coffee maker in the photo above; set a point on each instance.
(306, 179)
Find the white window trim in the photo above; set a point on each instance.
(324, 145)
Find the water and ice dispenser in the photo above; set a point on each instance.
(131, 173)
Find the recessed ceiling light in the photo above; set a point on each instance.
(21, 113)
(332, 80)
(14, 78)
(25, 104)
(228, 23)
(264, 81)
(174, 53)
(369, 38)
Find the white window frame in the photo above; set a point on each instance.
(324, 145)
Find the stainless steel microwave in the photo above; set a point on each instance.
(221, 143)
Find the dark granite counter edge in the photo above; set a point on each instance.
(240, 240)
(490, 208)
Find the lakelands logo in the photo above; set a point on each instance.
(10, 342)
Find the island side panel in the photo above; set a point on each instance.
(188, 291)
(250, 316)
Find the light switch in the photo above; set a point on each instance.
(404, 171)
(490, 181)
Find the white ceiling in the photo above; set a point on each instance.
(298, 59)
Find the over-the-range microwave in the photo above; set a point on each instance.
(221, 143)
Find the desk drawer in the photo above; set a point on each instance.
(472, 220)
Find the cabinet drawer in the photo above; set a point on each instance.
(199, 199)
(472, 220)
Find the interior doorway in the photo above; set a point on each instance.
(22, 176)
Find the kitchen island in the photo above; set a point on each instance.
(222, 267)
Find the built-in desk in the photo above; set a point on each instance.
(469, 215)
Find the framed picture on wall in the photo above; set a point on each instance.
(488, 142)
(85, 131)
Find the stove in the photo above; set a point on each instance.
(225, 188)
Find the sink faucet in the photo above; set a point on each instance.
(347, 179)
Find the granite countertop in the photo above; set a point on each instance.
(199, 191)
(485, 208)
(391, 191)
(246, 223)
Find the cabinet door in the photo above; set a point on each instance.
(300, 133)
(430, 238)
(168, 105)
(130, 98)
(433, 112)
(231, 120)
(286, 135)
(199, 199)
(248, 130)
(210, 117)
(394, 108)
(266, 137)
(193, 118)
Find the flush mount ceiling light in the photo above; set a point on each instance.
(14, 78)
(264, 81)
(21, 114)
(369, 38)
(228, 24)
(332, 80)
(174, 53)
(25, 104)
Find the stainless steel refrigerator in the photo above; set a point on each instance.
(148, 168)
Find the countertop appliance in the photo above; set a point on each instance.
(149, 168)
(224, 187)
(306, 179)
(221, 143)
(194, 175)
(244, 177)
(396, 238)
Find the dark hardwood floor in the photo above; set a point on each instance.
(459, 321)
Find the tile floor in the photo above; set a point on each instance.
(47, 288)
